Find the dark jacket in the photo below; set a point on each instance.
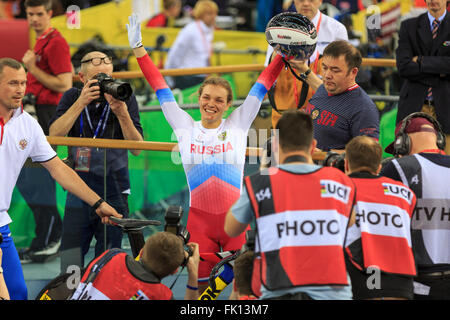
(432, 69)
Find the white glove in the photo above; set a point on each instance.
(134, 32)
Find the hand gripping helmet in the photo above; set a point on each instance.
(292, 35)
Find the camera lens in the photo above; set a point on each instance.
(119, 90)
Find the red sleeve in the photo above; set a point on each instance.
(151, 73)
(160, 20)
(59, 56)
(271, 72)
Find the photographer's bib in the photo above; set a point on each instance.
(300, 236)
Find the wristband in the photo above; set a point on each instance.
(191, 288)
(305, 75)
(97, 204)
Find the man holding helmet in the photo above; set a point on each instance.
(93, 113)
(289, 91)
(340, 108)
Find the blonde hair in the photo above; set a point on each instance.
(202, 6)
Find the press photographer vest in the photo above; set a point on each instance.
(430, 223)
(119, 277)
(380, 236)
(301, 222)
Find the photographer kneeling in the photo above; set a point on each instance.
(103, 108)
(117, 276)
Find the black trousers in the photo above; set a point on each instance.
(438, 287)
(39, 192)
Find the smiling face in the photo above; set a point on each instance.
(213, 102)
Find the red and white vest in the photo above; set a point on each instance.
(115, 282)
(381, 236)
(301, 223)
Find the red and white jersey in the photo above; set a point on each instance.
(381, 231)
(213, 159)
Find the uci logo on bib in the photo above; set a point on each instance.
(333, 189)
(397, 191)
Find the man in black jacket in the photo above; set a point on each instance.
(423, 60)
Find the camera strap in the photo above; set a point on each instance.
(101, 123)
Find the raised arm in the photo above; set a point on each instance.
(243, 116)
(176, 117)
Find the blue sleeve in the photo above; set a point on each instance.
(242, 209)
(366, 122)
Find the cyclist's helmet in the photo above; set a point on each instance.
(292, 35)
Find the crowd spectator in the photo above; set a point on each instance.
(423, 166)
(120, 277)
(423, 62)
(378, 241)
(171, 10)
(212, 150)
(93, 113)
(340, 108)
(193, 46)
(292, 246)
(49, 74)
(21, 137)
(289, 92)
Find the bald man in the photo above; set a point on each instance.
(89, 113)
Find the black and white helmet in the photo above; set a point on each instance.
(293, 35)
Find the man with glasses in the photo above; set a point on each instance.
(49, 74)
(88, 113)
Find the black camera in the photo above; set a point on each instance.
(173, 225)
(334, 159)
(249, 244)
(118, 89)
(29, 104)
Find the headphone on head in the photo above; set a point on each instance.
(402, 142)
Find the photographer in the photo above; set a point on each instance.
(380, 238)
(123, 278)
(94, 112)
(290, 246)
